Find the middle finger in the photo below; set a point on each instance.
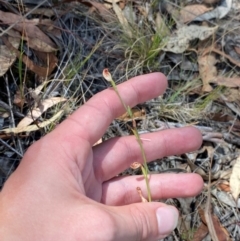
(117, 154)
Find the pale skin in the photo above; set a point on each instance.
(66, 189)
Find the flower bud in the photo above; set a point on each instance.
(107, 76)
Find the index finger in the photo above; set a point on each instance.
(92, 119)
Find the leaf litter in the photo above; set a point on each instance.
(200, 59)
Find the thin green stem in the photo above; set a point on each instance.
(144, 167)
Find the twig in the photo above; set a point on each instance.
(9, 147)
(11, 114)
(207, 210)
(7, 107)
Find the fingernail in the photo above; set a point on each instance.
(167, 219)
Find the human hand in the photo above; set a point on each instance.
(66, 189)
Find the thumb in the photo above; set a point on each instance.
(145, 221)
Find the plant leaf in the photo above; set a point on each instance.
(38, 111)
(180, 41)
(122, 18)
(190, 12)
(235, 180)
(7, 57)
(30, 128)
(207, 70)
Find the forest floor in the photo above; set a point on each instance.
(51, 60)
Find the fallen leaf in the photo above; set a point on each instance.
(223, 186)
(38, 90)
(19, 99)
(7, 57)
(49, 59)
(28, 29)
(228, 82)
(39, 45)
(213, 49)
(235, 179)
(232, 95)
(221, 232)
(43, 11)
(201, 232)
(137, 114)
(207, 70)
(237, 49)
(30, 128)
(103, 11)
(219, 12)
(36, 112)
(41, 71)
(180, 41)
(190, 12)
(225, 198)
(122, 18)
(108, 4)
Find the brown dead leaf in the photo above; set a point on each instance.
(207, 70)
(49, 59)
(43, 11)
(201, 232)
(7, 57)
(137, 114)
(41, 71)
(228, 82)
(108, 4)
(190, 12)
(30, 128)
(223, 186)
(220, 117)
(94, 5)
(221, 232)
(232, 95)
(36, 112)
(237, 49)
(29, 31)
(19, 99)
(235, 180)
(103, 11)
(215, 50)
(47, 26)
(39, 45)
(122, 18)
(182, 37)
